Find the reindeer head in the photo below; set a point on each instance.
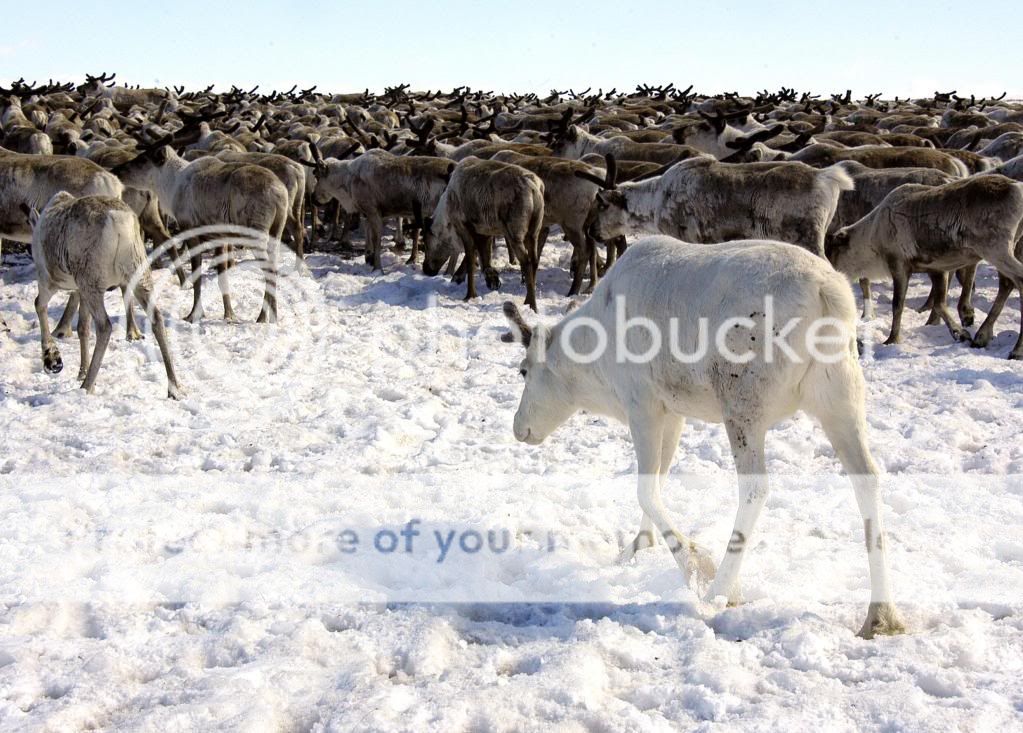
(440, 240)
(545, 403)
(608, 213)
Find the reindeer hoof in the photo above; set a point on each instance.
(194, 316)
(980, 340)
(961, 335)
(52, 363)
(966, 319)
(174, 392)
(1015, 356)
(892, 340)
(492, 279)
(882, 620)
(62, 333)
(135, 335)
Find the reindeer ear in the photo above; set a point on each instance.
(521, 331)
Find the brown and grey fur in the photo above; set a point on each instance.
(704, 201)
(378, 185)
(938, 229)
(872, 185)
(576, 143)
(210, 191)
(293, 176)
(90, 245)
(567, 203)
(487, 198)
(821, 156)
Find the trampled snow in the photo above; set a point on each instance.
(335, 530)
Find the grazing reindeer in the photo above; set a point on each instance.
(90, 245)
(674, 286)
(484, 199)
(377, 185)
(569, 189)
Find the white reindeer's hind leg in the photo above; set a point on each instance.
(747, 441)
(838, 393)
(647, 430)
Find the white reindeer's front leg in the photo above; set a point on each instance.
(747, 441)
(673, 426)
(647, 428)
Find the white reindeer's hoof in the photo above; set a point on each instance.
(700, 570)
(175, 392)
(883, 620)
(642, 541)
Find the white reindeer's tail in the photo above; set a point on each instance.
(834, 379)
(836, 179)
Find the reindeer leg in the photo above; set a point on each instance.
(647, 427)
(747, 441)
(195, 258)
(220, 258)
(84, 326)
(145, 298)
(940, 281)
(98, 311)
(63, 329)
(52, 362)
(133, 333)
(843, 421)
(967, 277)
(669, 444)
(900, 284)
(868, 299)
(983, 336)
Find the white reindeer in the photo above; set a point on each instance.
(672, 285)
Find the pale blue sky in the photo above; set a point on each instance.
(893, 47)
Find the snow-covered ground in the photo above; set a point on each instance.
(236, 560)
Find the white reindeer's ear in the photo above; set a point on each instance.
(521, 332)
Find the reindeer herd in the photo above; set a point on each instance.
(771, 194)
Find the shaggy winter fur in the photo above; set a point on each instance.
(211, 191)
(701, 200)
(871, 186)
(484, 199)
(938, 229)
(567, 202)
(576, 143)
(378, 185)
(32, 180)
(673, 284)
(90, 245)
(820, 155)
(293, 176)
